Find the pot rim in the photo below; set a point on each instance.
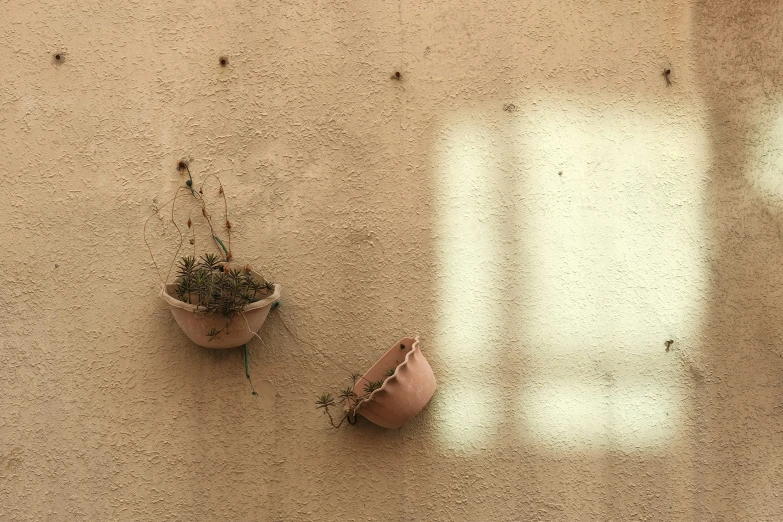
(414, 349)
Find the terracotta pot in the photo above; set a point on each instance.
(241, 330)
(402, 395)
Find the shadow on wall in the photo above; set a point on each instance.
(738, 379)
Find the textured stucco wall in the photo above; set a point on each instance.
(544, 253)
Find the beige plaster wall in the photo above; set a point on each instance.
(544, 253)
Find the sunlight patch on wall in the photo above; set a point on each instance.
(571, 246)
(570, 414)
(469, 275)
(614, 228)
(464, 417)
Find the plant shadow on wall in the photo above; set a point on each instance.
(218, 301)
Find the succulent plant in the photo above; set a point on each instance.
(215, 288)
(348, 397)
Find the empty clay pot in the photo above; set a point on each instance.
(402, 395)
(196, 324)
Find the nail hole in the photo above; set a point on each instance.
(59, 58)
(223, 61)
(397, 76)
(666, 74)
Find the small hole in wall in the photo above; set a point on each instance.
(223, 61)
(667, 75)
(59, 58)
(182, 165)
(396, 76)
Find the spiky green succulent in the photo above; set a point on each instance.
(214, 289)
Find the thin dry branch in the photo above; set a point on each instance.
(172, 201)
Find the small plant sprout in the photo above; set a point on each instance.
(348, 398)
(372, 386)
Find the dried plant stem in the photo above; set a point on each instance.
(179, 232)
(202, 204)
(200, 198)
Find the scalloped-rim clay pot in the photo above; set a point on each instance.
(196, 324)
(402, 395)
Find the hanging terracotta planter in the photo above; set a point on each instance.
(235, 331)
(403, 394)
(218, 302)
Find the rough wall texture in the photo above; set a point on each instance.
(531, 198)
